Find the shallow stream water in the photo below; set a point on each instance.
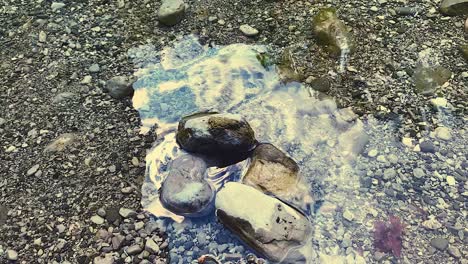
(334, 149)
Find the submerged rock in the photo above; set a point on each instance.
(428, 79)
(332, 32)
(268, 225)
(185, 191)
(454, 7)
(287, 70)
(271, 171)
(226, 136)
(171, 12)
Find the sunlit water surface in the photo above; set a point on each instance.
(325, 141)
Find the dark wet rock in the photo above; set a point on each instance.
(439, 243)
(464, 50)
(112, 215)
(185, 191)
(272, 172)
(171, 12)
(216, 135)
(454, 7)
(321, 84)
(427, 146)
(119, 87)
(268, 225)
(332, 32)
(428, 79)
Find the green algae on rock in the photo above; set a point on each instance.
(454, 7)
(332, 32)
(428, 79)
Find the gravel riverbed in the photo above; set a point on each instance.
(72, 158)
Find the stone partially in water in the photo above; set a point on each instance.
(271, 171)
(226, 136)
(119, 87)
(454, 7)
(268, 225)
(332, 32)
(185, 191)
(171, 12)
(428, 79)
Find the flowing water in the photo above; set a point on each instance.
(334, 149)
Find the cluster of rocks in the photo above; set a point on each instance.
(251, 209)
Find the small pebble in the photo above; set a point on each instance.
(94, 68)
(56, 6)
(439, 243)
(42, 37)
(12, 255)
(127, 190)
(97, 220)
(443, 133)
(32, 170)
(248, 30)
(451, 180)
(134, 250)
(125, 212)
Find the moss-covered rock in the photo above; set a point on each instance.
(454, 7)
(332, 32)
(223, 136)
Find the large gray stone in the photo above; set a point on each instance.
(171, 12)
(454, 7)
(272, 172)
(269, 226)
(185, 191)
(119, 87)
(225, 136)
